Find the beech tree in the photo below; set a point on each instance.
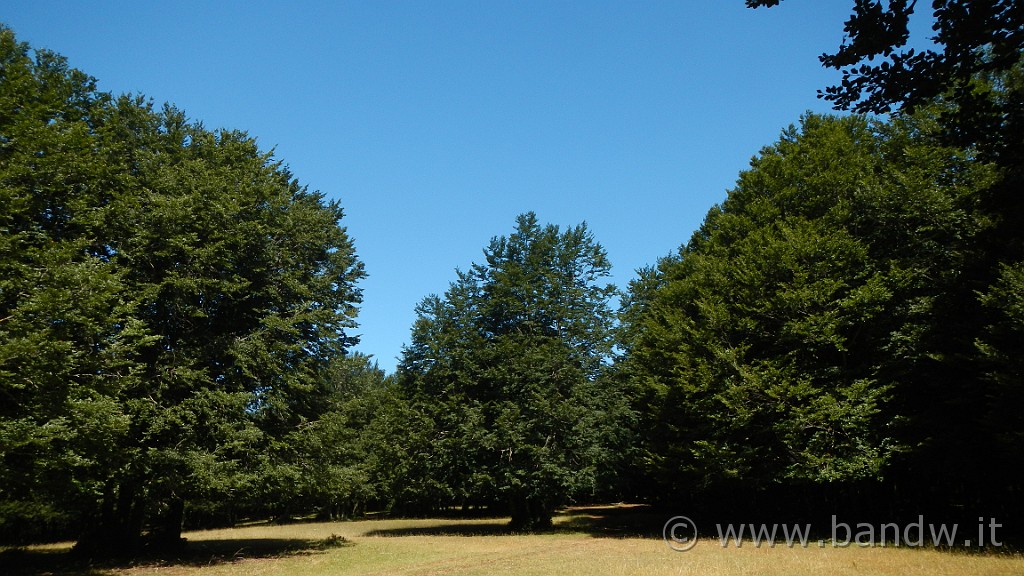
(68, 339)
(973, 75)
(800, 339)
(170, 298)
(508, 366)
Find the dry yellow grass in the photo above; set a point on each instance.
(480, 547)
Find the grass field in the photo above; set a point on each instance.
(585, 542)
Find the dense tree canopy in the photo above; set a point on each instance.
(974, 70)
(802, 337)
(973, 76)
(507, 366)
(169, 300)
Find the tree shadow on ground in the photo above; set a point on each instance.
(615, 521)
(611, 521)
(496, 528)
(62, 562)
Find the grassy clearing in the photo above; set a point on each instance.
(582, 545)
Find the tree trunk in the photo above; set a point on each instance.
(118, 529)
(530, 514)
(166, 534)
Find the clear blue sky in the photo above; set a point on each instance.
(436, 122)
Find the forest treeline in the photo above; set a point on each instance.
(842, 335)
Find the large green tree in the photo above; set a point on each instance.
(68, 339)
(799, 339)
(508, 368)
(973, 72)
(171, 298)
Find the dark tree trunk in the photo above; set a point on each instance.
(166, 534)
(530, 514)
(118, 529)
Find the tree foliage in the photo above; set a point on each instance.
(170, 300)
(176, 315)
(507, 369)
(974, 76)
(973, 72)
(973, 39)
(799, 338)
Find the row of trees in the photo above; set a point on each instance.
(836, 338)
(845, 326)
(840, 335)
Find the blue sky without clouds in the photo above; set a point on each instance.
(436, 122)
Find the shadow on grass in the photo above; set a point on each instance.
(612, 521)
(62, 562)
(496, 528)
(642, 521)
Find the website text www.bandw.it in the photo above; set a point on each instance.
(680, 533)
